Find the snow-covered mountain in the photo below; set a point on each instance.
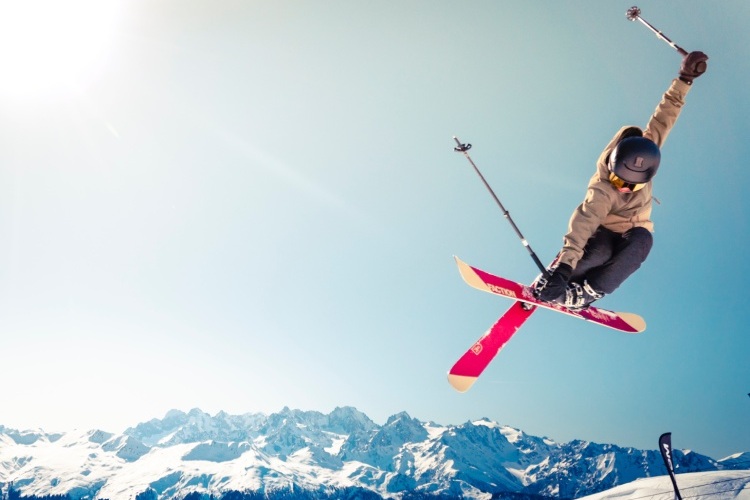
(341, 451)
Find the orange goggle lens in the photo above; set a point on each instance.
(624, 186)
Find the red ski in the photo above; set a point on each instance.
(467, 369)
(482, 280)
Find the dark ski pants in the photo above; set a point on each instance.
(609, 257)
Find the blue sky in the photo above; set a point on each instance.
(243, 206)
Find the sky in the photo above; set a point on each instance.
(244, 205)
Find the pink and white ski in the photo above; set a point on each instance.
(467, 369)
(482, 280)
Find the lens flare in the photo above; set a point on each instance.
(48, 46)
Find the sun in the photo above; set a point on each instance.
(53, 46)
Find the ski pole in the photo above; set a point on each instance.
(464, 148)
(634, 13)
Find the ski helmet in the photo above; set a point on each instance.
(635, 160)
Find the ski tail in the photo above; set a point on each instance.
(461, 383)
(467, 369)
(637, 323)
(471, 277)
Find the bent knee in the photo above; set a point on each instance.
(640, 239)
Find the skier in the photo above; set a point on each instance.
(609, 234)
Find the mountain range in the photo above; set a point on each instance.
(343, 453)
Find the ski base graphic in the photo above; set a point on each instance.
(467, 369)
(482, 280)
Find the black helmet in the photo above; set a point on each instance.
(635, 160)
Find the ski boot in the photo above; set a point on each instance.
(580, 296)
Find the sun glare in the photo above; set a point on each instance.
(50, 46)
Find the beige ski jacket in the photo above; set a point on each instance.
(604, 205)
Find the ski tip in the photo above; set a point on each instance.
(470, 276)
(461, 383)
(636, 322)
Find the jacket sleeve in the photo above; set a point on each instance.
(667, 112)
(584, 222)
(599, 201)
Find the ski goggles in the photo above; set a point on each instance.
(622, 185)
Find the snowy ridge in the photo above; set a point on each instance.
(194, 451)
(721, 485)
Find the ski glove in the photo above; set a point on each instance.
(554, 286)
(693, 66)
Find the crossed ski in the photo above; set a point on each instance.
(467, 369)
